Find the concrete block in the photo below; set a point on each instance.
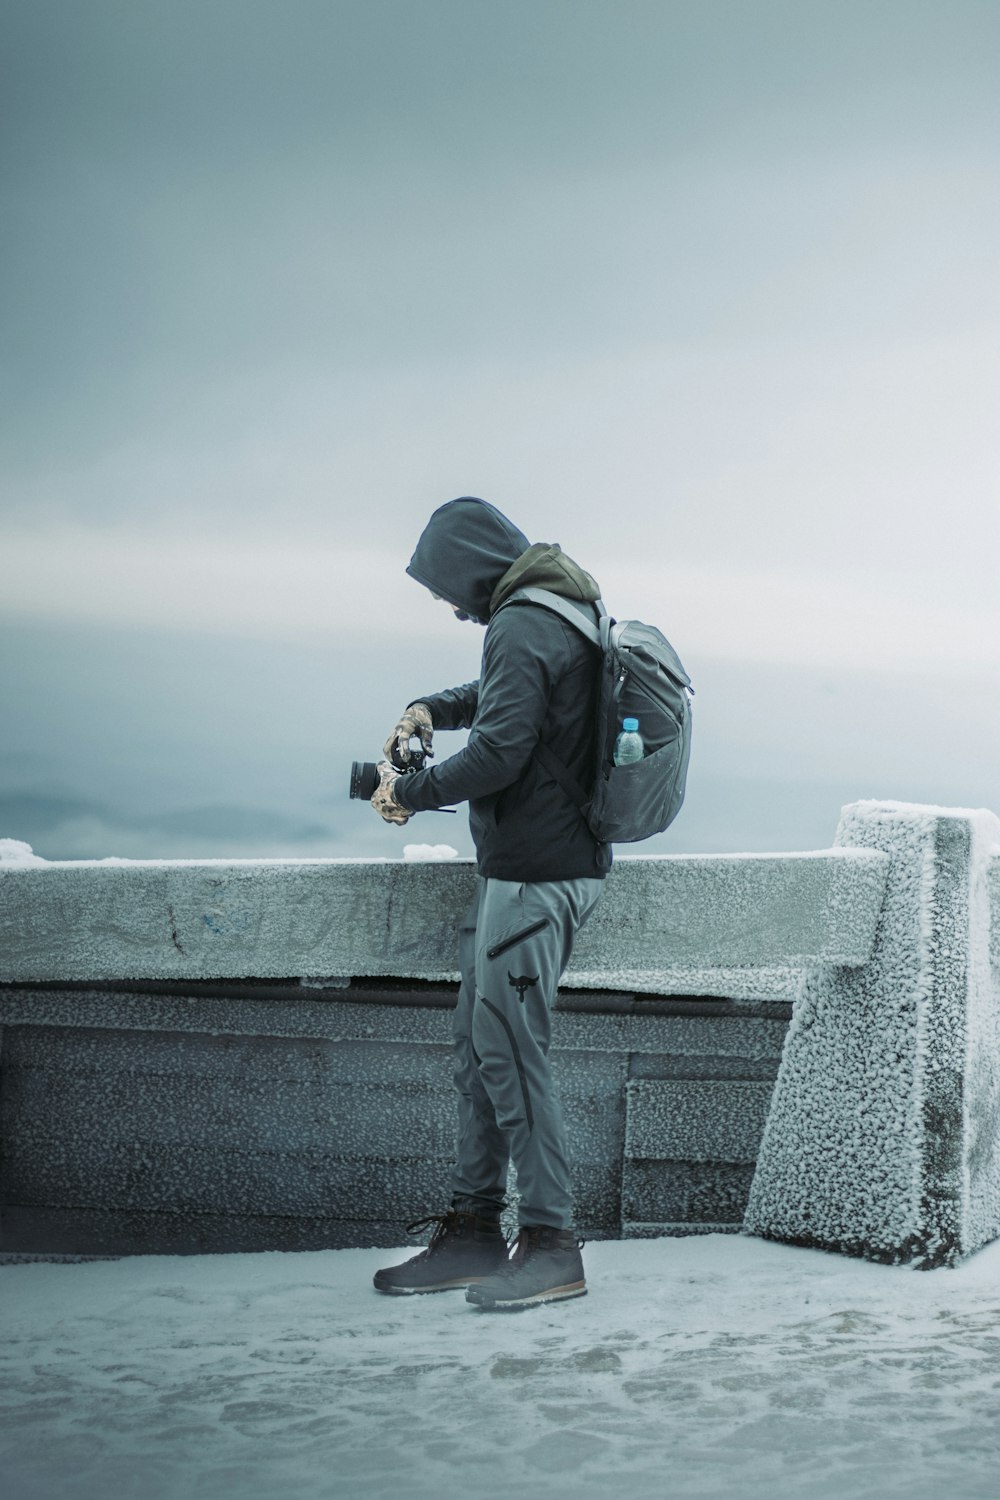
(695, 1119)
(597, 1198)
(884, 1136)
(675, 1032)
(96, 1232)
(394, 1190)
(46, 1172)
(224, 1015)
(681, 1192)
(681, 1027)
(592, 1092)
(89, 1113)
(270, 1116)
(225, 1092)
(676, 923)
(699, 914)
(699, 1066)
(125, 919)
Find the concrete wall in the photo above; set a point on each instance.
(167, 1083)
(261, 1119)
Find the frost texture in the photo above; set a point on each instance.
(882, 1139)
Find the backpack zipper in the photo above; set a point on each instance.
(519, 937)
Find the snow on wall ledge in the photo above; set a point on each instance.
(883, 1137)
(734, 925)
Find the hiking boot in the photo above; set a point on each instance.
(463, 1249)
(545, 1267)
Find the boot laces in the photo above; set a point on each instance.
(442, 1222)
(445, 1224)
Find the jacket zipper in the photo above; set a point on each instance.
(519, 937)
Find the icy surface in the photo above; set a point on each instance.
(709, 1366)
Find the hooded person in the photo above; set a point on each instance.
(541, 874)
(538, 685)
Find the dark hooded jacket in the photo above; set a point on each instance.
(538, 685)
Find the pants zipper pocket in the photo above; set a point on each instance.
(518, 937)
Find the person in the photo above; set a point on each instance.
(540, 874)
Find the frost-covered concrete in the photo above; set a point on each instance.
(677, 924)
(883, 1138)
(287, 1119)
(151, 1108)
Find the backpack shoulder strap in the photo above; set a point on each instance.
(597, 634)
(564, 609)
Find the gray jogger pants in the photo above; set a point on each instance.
(515, 940)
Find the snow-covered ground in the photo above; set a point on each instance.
(707, 1366)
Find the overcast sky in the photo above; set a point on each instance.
(705, 290)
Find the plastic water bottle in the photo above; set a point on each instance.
(628, 746)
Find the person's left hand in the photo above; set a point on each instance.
(383, 801)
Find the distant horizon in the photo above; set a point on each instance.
(165, 744)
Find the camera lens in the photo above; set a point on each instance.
(364, 779)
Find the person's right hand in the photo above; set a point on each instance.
(384, 801)
(415, 720)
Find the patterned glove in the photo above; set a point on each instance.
(383, 801)
(415, 720)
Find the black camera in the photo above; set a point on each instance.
(364, 773)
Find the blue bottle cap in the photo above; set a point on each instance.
(630, 725)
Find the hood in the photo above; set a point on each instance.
(546, 566)
(464, 551)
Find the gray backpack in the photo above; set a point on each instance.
(641, 677)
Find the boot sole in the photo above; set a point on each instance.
(487, 1303)
(439, 1286)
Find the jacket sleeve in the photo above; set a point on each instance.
(455, 708)
(522, 658)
